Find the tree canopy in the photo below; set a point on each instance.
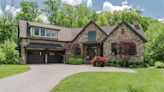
(29, 11)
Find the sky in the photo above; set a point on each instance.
(150, 8)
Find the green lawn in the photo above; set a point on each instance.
(145, 80)
(8, 70)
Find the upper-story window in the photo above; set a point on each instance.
(36, 31)
(54, 34)
(48, 33)
(92, 35)
(42, 32)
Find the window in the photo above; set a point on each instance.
(114, 48)
(137, 27)
(36, 31)
(92, 35)
(48, 33)
(36, 53)
(122, 31)
(43, 32)
(54, 34)
(127, 47)
(124, 48)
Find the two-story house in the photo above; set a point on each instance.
(42, 43)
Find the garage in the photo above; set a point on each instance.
(35, 57)
(38, 53)
(55, 56)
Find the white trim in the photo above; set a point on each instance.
(32, 32)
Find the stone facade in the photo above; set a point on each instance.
(25, 42)
(83, 37)
(128, 35)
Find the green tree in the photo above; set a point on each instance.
(8, 30)
(84, 15)
(66, 16)
(29, 11)
(154, 48)
(52, 7)
(11, 55)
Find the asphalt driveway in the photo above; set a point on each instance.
(42, 78)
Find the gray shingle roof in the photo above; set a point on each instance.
(42, 25)
(108, 29)
(67, 34)
(140, 31)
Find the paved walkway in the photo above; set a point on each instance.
(42, 78)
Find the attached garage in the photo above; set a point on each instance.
(38, 53)
(55, 56)
(35, 57)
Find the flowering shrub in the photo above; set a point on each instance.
(99, 61)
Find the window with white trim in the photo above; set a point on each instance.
(42, 32)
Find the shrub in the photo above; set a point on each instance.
(127, 64)
(99, 61)
(2, 56)
(74, 61)
(11, 55)
(159, 64)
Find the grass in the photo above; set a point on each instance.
(145, 80)
(8, 70)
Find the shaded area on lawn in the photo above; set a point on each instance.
(8, 70)
(147, 80)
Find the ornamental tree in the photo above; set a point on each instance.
(125, 48)
(74, 48)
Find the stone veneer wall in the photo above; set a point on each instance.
(128, 35)
(92, 27)
(84, 37)
(25, 42)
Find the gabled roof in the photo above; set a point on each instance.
(107, 29)
(139, 32)
(34, 24)
(70, 34)
(91, 22)
(65, 34)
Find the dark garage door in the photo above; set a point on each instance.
(55, 57)
(35, 57)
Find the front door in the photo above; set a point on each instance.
(92, 51)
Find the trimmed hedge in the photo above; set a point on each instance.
(74, 61)
(127, 64)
